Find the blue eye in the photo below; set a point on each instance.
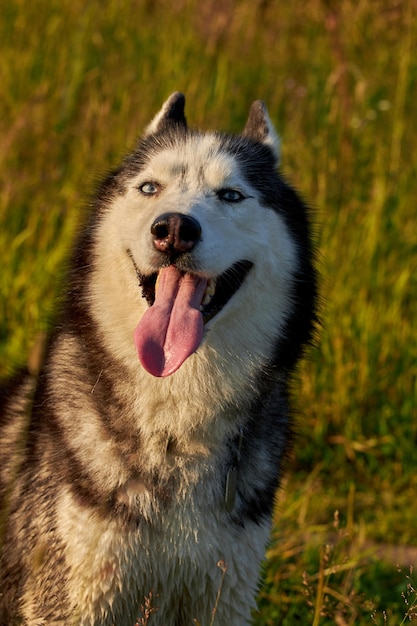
(149, 188)
(230, 195)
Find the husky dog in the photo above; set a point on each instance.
(148, 449)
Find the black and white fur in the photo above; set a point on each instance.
(114, 482)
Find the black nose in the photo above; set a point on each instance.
(175, 232)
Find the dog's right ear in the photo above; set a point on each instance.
(171, 114)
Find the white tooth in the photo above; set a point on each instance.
(211, 287)
(209, 291)
(207, 298)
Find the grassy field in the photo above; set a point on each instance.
(79, 82)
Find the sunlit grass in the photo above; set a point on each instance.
(80, 81)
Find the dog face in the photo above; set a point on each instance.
(197, 217)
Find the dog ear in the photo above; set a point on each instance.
(260, 128)
(171, 114)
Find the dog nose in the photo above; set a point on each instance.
(175, 232)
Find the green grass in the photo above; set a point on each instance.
(80, 81)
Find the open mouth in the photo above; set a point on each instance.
(180, 303)
(218, 292)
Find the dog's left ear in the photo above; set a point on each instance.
(171, 114)
(260, 128)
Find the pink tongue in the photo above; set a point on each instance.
(172, 328)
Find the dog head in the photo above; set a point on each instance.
(212, 234)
